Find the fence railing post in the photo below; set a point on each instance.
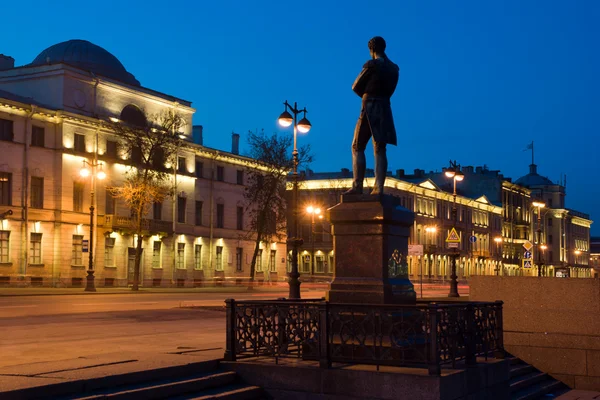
(324, 359)
(470, 336)
(434, 356)
(499, 351)
(230, 353)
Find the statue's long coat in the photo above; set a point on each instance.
(376, 84)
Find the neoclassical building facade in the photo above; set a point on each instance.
(54, 115)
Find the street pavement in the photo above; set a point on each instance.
(62, 335)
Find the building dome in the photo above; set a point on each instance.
(87, 56)
(533, 178)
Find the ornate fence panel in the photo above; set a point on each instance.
(422, 335)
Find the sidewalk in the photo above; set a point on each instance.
(49, 291)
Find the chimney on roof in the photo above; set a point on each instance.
(197, 134)
(399, 173)
(235, 143)
(6, 62)
(479, 170)
(418, 173)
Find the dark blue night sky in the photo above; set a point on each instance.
(479, 80)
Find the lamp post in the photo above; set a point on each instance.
(498, 241)
(313, 211)
(539, 205)
(285, 120)
(543, 257)
(94, 170)
(457, 176)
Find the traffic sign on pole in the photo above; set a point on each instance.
(528, 246)
(473, 239)
(453, 236)
(527, 263)
(527, 255)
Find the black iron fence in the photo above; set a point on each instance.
(422, 335)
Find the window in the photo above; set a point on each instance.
(111, 149)
(79, 142)
(272, 260)
(77, 196)
(6, 130)
(258, 265)
(198, 214)
(181, 209)
(220, 215)
(157, 211)
(240, 177)
(181, 167)
(110, 203)
(37, 192)
(319, 264)
(219, 260)
(77, 250)
(550, 221)
(305, 266)
(156, 246)
(240, 218)
(198, 256)
(37, 136)
(549, 203)
(5, 189)
(4, 237)
(199, 169)
(221, 174)
(35, 253)
(549, 239)
(239, 256)
(181, 255)
(109, 252)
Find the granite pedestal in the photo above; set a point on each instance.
(370, 242)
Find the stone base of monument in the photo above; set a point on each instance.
(370, 242)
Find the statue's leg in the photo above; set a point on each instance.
(359, 163)
(380, 166)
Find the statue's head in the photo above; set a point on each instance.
(377, 46)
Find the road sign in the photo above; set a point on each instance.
(527, 255)
(472, 239)
(415, 249)
(527, 263)
(528, 246)
(453, 236)
(85, 246)
(452, 245)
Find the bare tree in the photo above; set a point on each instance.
(149, 144)
(265, 192)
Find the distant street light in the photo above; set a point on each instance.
(93, 169)
(498, 241)
(313, 211)
(285, 120)
(539, 205)
(457, 176)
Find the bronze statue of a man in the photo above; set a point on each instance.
(375, 85)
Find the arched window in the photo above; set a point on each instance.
(133, 115)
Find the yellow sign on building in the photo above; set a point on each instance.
(453, 236)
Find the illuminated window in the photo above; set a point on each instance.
(198, 256)
(181, 255)
(156, 251)
(35, 254)
(109, 252)
(258, 265)
(219, 260)
(77, 250)
(239, 253)
(272, 260)
(4, 242)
